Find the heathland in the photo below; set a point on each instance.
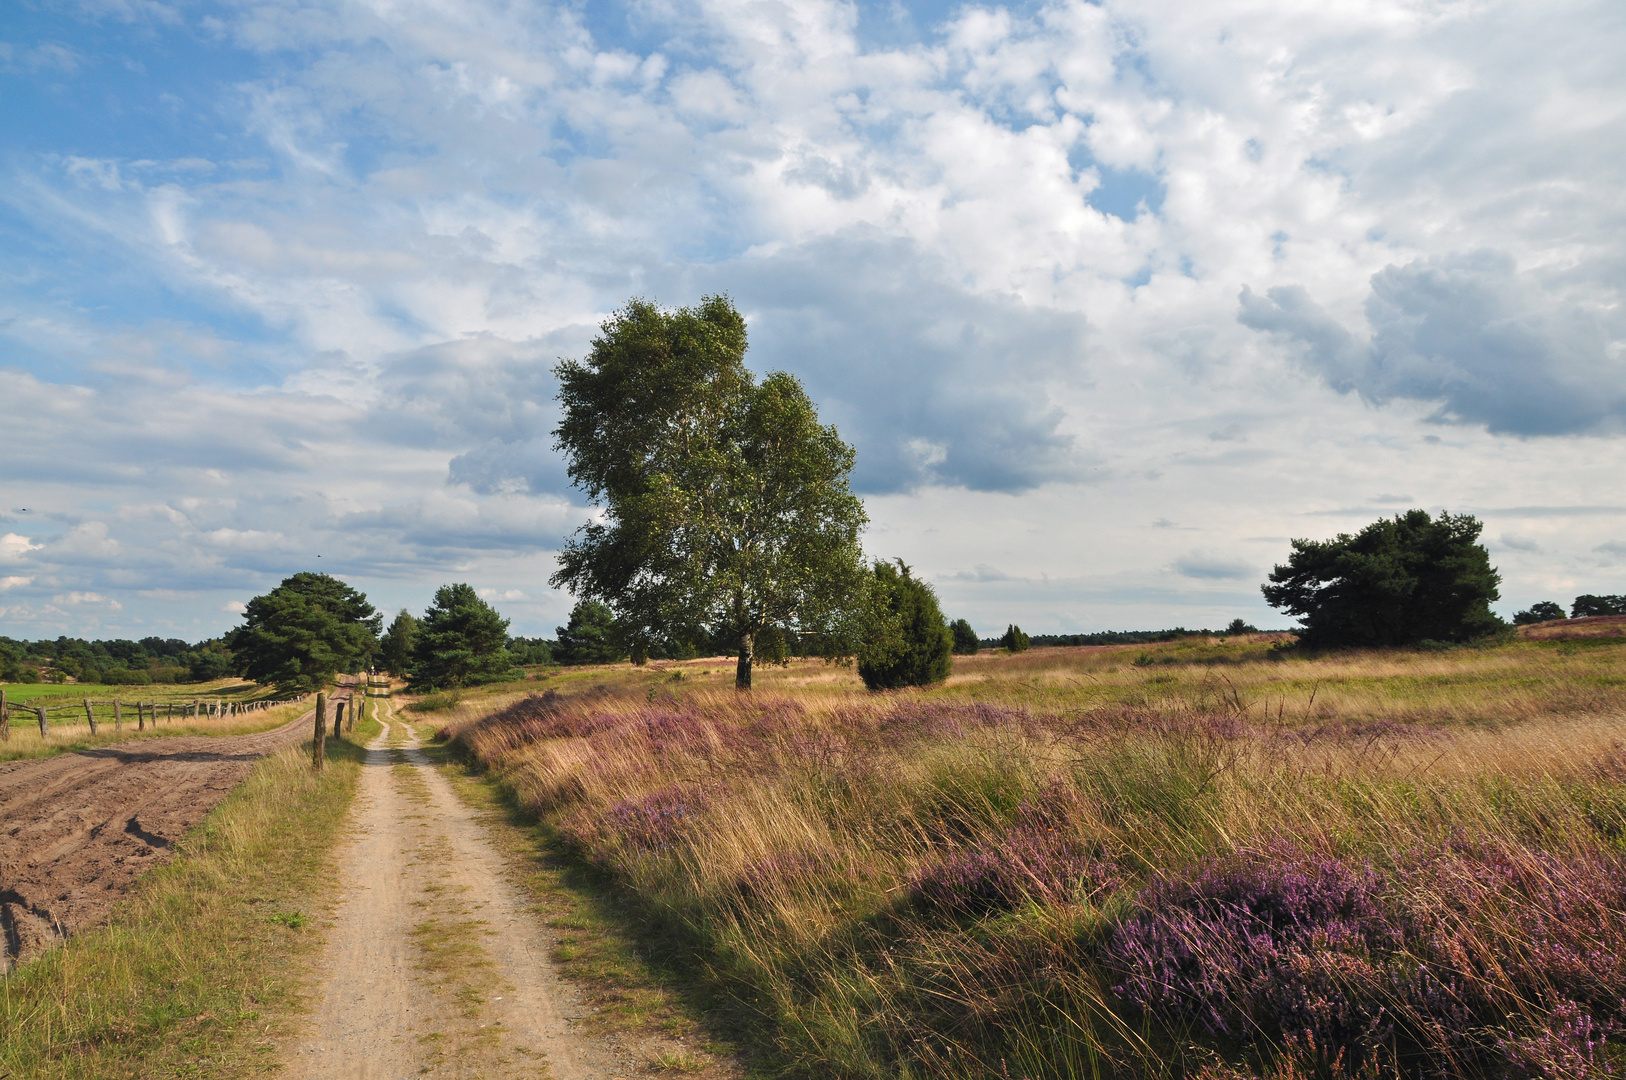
(1215, 857)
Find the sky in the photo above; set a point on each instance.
(1112, 299)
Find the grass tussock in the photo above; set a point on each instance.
(199, 969)
(1221, 861)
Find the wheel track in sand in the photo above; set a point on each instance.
(419, 879)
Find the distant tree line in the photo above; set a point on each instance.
(1583, 606)
(116, 661)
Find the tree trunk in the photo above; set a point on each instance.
(742, 673)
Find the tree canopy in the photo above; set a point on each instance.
(966, 642)
(395, 652)
(727, 503)
(1539, 612)
(305, 631)
(592, 636)
(1398, 581)
(461, 641)
(1589, 604)
(907, 642)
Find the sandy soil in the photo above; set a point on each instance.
(76, 829)
(434, 966)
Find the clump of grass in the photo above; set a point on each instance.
(196, 972)
(1261, 870)
(439, 701)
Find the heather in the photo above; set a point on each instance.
(1196, 859)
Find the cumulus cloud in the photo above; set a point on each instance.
(1002, 245)
(1470, 333)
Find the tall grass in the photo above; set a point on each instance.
(1078, 866)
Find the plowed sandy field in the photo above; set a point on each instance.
(76, 829)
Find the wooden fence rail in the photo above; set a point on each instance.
(146, 711)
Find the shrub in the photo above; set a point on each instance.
(907, 642)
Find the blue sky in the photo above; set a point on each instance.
(1113, 299)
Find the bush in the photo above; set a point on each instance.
(966, 642)
(1241, 626)
(1014, 640)
(1398, 581)
(126, 677)
(908, 643)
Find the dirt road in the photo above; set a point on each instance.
(76, 829)
(434, 965)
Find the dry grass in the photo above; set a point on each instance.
(786, 835)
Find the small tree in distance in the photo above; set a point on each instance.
(1540, 612)
(1398, 581)
(1587, 604)
(395, 651)
(966, 642)
(906, 642)
(1014, 640)
(1241, 626)
(592, 636)
(460, 641)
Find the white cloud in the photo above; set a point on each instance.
(14, 581)
(1004, 251)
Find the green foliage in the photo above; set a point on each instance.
(395, 652)
(1544, 611)
(1241, 626)
(1014, 640)
(966, 642)
(306, 630)
(907, 643)
(1398, 581)
(11, 660)
(460, 641)
(530, 651)
(592, 636)
(1587, 604)
(727, 505)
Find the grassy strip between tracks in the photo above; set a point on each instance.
(201, 972)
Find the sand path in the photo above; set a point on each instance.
(433, 965)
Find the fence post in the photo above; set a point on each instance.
(338, 718)
(90, 716)
(5, 719)
(318, 747)
(141, 717)
(118, 715)
(45, 728)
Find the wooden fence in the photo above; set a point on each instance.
(145, 711)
